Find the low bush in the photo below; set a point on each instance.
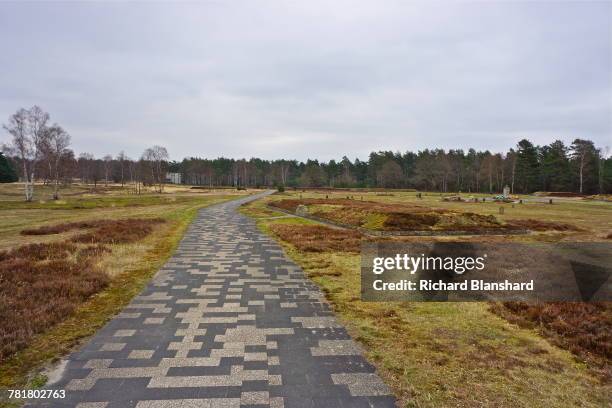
(37, 293)
(537, 225)
(43, 283)
(102, 231)
(318, 238)
(581, 327)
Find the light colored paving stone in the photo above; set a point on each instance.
(124, 333)
(154, 320)
(92, 405)
(141, 354)
(191, 403)
(362, 384)
(112, 347)
(255, 398)
(336, 348)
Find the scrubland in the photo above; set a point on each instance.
(455, 354)
(69, 265)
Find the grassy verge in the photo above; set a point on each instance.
(441, 354)
(128, 277)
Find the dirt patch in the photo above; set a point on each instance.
(557, 194)
(600, 197)
(585, 329)
(537, 225)
(318, 238)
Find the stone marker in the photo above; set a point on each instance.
(301, 210)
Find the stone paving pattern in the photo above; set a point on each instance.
(229, 321)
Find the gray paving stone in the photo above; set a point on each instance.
(228, 321)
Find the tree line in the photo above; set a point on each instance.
(580, 167)
(40, 151)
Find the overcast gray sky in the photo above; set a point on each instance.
(316, 79)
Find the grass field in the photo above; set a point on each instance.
(102, 246)
(586, 220)
(455, 354)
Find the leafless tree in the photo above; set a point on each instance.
(602, 154)
(108, 161)
(57, 141)
(132, 167)
(584, 153)
(85, 166)
(121, 158)
(156, 157)
(29, 130)
(512, 157)
(284, 171)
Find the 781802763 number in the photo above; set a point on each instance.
(37, 394)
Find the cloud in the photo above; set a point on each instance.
(310, 79)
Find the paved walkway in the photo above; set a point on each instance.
(229, 321)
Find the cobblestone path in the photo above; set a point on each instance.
(229, 321)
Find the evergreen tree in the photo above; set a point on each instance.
(527, 167)
(556, 174)
(7, 171)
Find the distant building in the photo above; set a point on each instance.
(173, 178)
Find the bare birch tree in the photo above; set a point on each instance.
(29, 130)
(156, 157)
(121, 158)
(108, 159)
(57, 141)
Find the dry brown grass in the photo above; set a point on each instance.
(583, 328)
(395, 217)
(538, 225)
(318, 238)
(43, 283)
(102, 231)
(557, 194)
(40, 284)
